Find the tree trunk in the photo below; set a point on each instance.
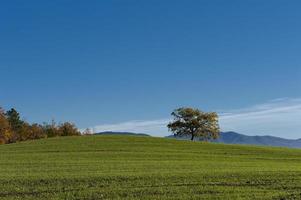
(192, 137)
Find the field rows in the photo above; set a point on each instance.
(127, 167)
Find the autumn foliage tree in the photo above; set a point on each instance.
(51, 130)
(5, 129)
(194, 123)
(35, 131)
(68, 129)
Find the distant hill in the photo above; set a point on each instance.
(236, 138)
(121, 133)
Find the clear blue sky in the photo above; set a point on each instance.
(98, 62)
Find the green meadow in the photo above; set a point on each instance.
(131, 167)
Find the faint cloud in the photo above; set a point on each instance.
(153, 127)
(279, 117)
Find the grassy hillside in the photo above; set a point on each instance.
(128, 167)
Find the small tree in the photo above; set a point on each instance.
(36, 131)
(88, 131)
(68, 129)
(51, 130)
(195, 123)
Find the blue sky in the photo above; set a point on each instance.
(100, 63)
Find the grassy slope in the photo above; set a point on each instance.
(128, 167)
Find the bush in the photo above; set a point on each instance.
(68, 129)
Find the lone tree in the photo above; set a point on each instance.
(195, 123)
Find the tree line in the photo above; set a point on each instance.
(14, 129)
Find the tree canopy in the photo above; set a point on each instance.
(194, 123)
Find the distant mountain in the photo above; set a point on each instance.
(236, 138)
(121, 133)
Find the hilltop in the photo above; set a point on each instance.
(129, 167)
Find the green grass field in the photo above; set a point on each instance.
(129, 167)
